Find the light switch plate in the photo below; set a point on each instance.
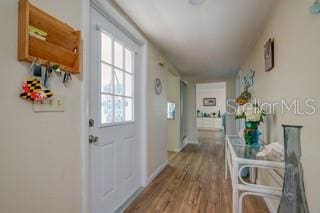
(54, 104)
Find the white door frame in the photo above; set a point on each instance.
(117, 19)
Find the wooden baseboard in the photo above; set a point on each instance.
(185, 143)
(156, 172)
(192, 142)
(130, 200)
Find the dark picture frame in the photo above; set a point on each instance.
(209, 102)
(269, 55)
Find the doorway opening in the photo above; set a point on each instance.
(173, 113)
(211, 109)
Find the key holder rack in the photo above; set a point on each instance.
(62, 44)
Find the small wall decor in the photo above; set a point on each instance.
(209, 102)
(47, 39)
(245, 96)
(171, 110)
(249, 79)
(158, 86)
(315, 8)
(32, 90)
(269, 55)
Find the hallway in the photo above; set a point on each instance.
(194, 182)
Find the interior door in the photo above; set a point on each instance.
(183, 112)
(114, 148)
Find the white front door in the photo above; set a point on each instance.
(115, 170)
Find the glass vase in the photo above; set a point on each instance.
(293, 199)
(252, 133)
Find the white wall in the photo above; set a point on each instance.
(40, 153)
(209, 90)
(231, 95)
(296, 75)
(174, 125)
(192, 135)
(157, 126)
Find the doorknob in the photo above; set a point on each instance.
(93, 139)
(91, 123)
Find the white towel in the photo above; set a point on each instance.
(273, 151)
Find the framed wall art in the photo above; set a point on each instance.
(209, 102)
(171, 110)
(269, 55)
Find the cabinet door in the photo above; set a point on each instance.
(218, 123)
(208, 122)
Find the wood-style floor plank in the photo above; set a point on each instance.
(193, 182)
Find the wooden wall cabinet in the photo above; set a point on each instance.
(63, 45)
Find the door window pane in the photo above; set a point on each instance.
(128, 60)
(106, 78)
(128, 109)
(118, 82)
(106, 48)
(106, 109)
(128, 84)
(118, 55)
(118, 109)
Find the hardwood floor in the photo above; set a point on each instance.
(194, 182)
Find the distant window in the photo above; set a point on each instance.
(171, 110)
(117, 73)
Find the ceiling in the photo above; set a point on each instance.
(211, 86)
(210, 40)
